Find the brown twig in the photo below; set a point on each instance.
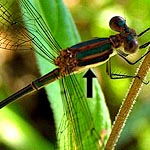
(128, 104)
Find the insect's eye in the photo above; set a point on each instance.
(117, 23)
(131, 46)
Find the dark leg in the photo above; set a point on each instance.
(129, 62)
(120, 76)
(115, 75)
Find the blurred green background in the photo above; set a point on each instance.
(26, 117)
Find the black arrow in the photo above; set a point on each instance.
(89, 87)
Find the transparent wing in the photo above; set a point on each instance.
(77, 129)
(15, 36)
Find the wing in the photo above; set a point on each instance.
(15, 35)
(77, 129)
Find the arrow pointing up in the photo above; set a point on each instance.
(89, 87)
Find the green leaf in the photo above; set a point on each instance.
(18, 134)
(80, 128)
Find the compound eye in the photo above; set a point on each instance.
(131, 46)
(117, 23)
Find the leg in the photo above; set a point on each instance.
(120, 76)
(115, 75)
(129, 62)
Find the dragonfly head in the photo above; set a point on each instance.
(127, 35)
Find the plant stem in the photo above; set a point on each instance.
(128, 103)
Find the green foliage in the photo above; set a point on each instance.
(64, 30)
(17, 134)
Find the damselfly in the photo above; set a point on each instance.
(69, 61)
